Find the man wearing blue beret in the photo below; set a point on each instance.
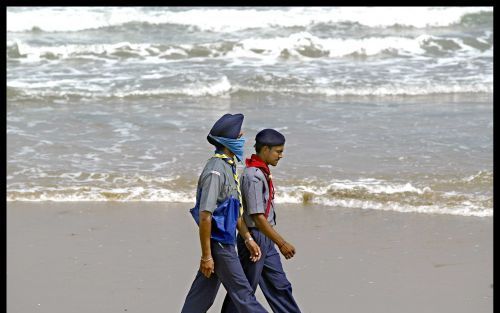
(218, 213)
(260, 216)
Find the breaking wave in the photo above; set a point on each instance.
(301, 45)
(224, 88)
(368, 193)
(70, 19)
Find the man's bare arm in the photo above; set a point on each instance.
(206, 263)
(251, 245)
(286, 248)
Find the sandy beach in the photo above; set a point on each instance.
(142, 257)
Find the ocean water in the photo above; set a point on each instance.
(383, 108)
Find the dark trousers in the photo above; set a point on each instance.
(267, 273)
(228, 270)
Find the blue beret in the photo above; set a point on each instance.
(270, 137)
(228, 126)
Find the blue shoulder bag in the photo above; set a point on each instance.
(224, 219)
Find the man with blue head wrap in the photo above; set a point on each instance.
(218, 213)
(226, 133)
(259, 214)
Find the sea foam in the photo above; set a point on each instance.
(232, 19)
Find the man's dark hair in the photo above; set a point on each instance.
(218, 146)
(258, 146)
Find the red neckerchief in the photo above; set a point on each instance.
(257, 162)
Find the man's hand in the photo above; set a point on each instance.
(207, 266)
(254, 250)
(287, 250)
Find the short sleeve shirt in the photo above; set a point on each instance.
(255, 194)
(216, 184)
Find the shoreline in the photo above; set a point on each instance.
(143, 256)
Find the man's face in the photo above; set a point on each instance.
(274, 154)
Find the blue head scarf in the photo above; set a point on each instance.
(236, 146)
(226, 131)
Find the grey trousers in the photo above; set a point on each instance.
(228, 270)
(267, 273)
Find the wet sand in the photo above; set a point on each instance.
(142, 257)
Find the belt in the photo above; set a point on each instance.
(256, 228)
